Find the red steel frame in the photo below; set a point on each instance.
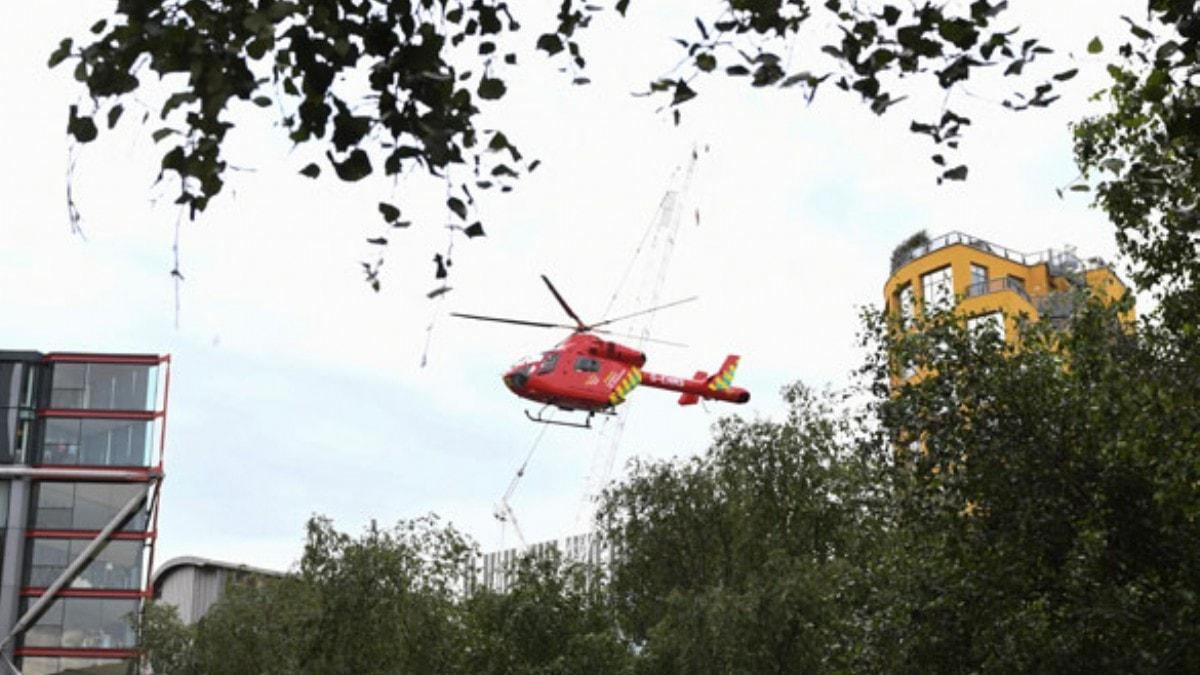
(150, 535)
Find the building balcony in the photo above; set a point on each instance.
(996, 286)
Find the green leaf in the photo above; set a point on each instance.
(99, 26)
(82, 128)
(621, 6)
(58, 55)
(262, 101)
(1095, 46)
(312, 171)
(354, 168)
(491, 88)
(475, 230)
(499, 142)
(683, 93)
(550, 43)
(1066, 75)
(957, 173)
(378, 241)
(706, 62)
(390, 213)
(114, 114)
(456, 205)
(162, 133)
(175, 100)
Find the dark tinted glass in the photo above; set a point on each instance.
(548, 362)
(84, 506)
(84, 623)
(103, 386)
(118, 565)
(97, 442)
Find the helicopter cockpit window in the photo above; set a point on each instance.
(587, 365)
(548, 362)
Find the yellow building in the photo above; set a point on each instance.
(987, 282)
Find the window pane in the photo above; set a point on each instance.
(979, 275)
(118, 564)
(44, 665)
(938, 288)
(983, 324)
(98, 442)
(88, 623)
(84, 506)
(104, 386)
(906, 303)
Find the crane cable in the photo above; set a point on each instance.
(503, 511)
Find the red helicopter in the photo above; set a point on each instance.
(587, 373)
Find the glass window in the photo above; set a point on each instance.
(117, 565)
(938, 289)
(97, 442)
(104, 386)
(549, 360)
(587, 365)
(992, 322)
(905, 303)
(84, 506)
(979, 275)
(86, 623)
(1016, 283)
(47, 665)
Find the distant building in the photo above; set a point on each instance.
(496, 571)
(993, 284)
(193, 585)
(81, 440)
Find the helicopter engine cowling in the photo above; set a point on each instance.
(616, 352)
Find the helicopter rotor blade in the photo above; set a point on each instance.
(518, 322)
(644, 311)
(640, 337)
(580, 325)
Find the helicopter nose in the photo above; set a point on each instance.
(516, 380)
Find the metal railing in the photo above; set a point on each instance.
(953, 238)
(998, 285)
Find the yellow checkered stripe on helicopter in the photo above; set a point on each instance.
(632, 379)
(723, 380)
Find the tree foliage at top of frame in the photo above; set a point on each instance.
(433, 66)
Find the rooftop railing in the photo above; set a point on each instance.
(952, 238)
(998, 285)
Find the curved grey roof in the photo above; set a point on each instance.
(196, 561)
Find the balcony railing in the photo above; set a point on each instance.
(998, 285)
(952, 238)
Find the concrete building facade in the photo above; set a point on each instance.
(81, 463)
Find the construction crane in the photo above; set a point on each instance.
(640, 286)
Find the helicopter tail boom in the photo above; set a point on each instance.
(717, 387)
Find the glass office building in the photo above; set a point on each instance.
(80, 466)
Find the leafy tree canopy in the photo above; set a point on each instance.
(433, 67)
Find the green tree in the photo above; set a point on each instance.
(1044, 499)
(429, 70)
(742, 560)
(1143, 156)
(393, 601)
(553, 619)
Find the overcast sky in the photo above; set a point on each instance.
(296, 390)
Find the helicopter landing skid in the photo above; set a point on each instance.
(586, 424)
